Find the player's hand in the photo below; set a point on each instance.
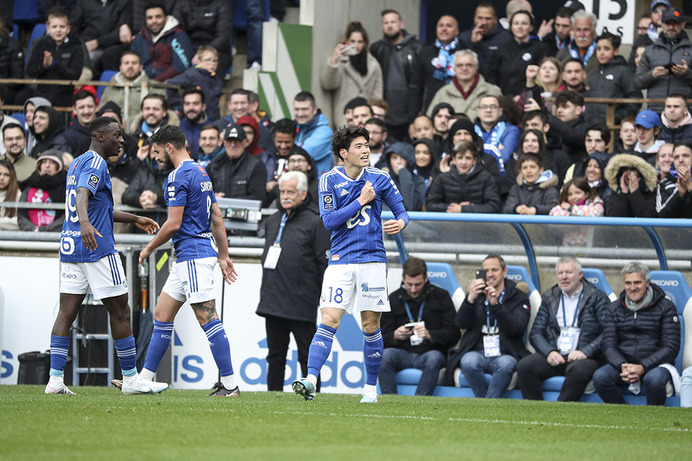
(89, 234)
(393, 226)
(144, 254)
(554, 359)
(367, 195)
(148, 225)
(576, 355)
(47, 59)
(227, 269)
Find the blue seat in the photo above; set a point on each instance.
(25, 11)
(598, 278)
(106, 76)
(442, 275)
(38, 32)
(19, 116)
(15, 32)
(675, 286)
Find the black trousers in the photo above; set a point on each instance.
(534, 369)
(278, 337)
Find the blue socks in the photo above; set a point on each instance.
(320, 348)
(58, 354)
(218, 343)
(127, 354)
(160, 339)
(373, 348)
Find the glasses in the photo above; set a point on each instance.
(297, 160)
(490, 107)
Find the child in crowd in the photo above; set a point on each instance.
(578, 199)
(202, 76)
(647, 126)
(536, 194)
(424, 160)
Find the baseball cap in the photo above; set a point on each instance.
(648, 119)
(655, 3)
(673, 14)
(234, 131)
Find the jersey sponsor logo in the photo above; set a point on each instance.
(341, 184)
(328, 202)
(365, 288)
(93, 181)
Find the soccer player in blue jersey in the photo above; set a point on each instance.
(350, 201)
(88, 258)
(193, 219)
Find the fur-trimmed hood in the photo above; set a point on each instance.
(546, 180)
(620, 161)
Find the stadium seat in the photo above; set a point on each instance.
(15, 32)
(598, 278)
(18, 116)
(520, 274)
(106, 76)
(39, 31)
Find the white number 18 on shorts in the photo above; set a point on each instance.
(360, 286)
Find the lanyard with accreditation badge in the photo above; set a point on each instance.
(275, 250)
(415, 339)
(569, 335)
(491, 336)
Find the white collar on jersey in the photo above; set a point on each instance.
(342, 172)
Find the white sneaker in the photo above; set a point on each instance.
(143, 386)
(57, 388)
(256, 66)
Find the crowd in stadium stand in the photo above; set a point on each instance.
(460, 126)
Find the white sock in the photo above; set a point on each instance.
(369, 389)
(56, 381)
(129, 380)
(312, 379)
(146, 374)
(228, 382)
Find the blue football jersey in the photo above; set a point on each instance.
(88, 170)
(359, 238)
(190, 186)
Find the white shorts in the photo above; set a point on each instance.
(105, 277)
(192, 281)
(363, 286)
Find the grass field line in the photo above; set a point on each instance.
(493, 421)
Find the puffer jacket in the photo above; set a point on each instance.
(593, 308)
(244, 177)
(649, 337)
(207, 22)
(11, 63)
(637, 204)
(486, 49)
(96, 20)
(683, 132)
(477, 187)
(541, 195)
(612, 80)
(508, 68)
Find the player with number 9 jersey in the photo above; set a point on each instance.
(190, 186)
(89, 170)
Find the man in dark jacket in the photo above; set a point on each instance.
(562, 30)
(494, 314)
(146, 188)
(486, 37)
(238, 174)
(77, 135)
(418, 331)
(396, 53)
(294, 260)
(566, 334)
(11, 65)
(641, 338)
(676, 121)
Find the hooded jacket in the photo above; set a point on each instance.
(36, 101)
(315, 137)
(542, 194)
(637, 204)
(411, 186)
(477, 187)
(649, 336)
(46, 140)
(612, 80)
(488, 160)
(683, 132)
(167, 54)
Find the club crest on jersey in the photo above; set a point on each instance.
(93, 181)
(328, 202)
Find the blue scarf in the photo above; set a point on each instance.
(574, 52)
(444, 63)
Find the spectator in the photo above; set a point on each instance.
(463, 130)
(676, 120)
(596, 139)
(664, 160)
(543, 80)
(578, 198)
(486, 37)
(441, 114)
(500, 137)
(574, 75)
(641, 338)
(378, 140)
(314, 134)
(665, 66)
(9, 192)
(422, 128)
(642, 39)
(467, 187)
(380, 109)
(11, 65)
(210, 145)
(613, 80)
(208, 23)
(433, 67)
(633, 182)
(560, 37)
(466, 88)
(255, 14)
(566, 334)
(351, 70)
(396, 52)
(284, 133)
(299, 160)
(48, 124)
(238, 174)
(508, 68)
(583, 45)
(494, 314)
(531, 141)
(263, 120)
(98, 24)
(77, 135)
(555, 157)
(4, 120)
(595, 174)
(163, 46)
(249, 124)
(648, 126)
(130, 73)
(291, 282)
(423, 168)
(58, 55)
(154, 115)
(537, 193)
(400, 158)
(238, 106)
(627, 136)
(203, 76)
(417, 341)
(14, 143)
(194, 118)
(146, 187)
(138, 12)
(678, 203)
(361, 113)
(30, 106)
(45, 185)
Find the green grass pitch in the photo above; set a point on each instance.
(101, 423)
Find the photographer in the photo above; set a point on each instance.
(665, 66)
(494, 314)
